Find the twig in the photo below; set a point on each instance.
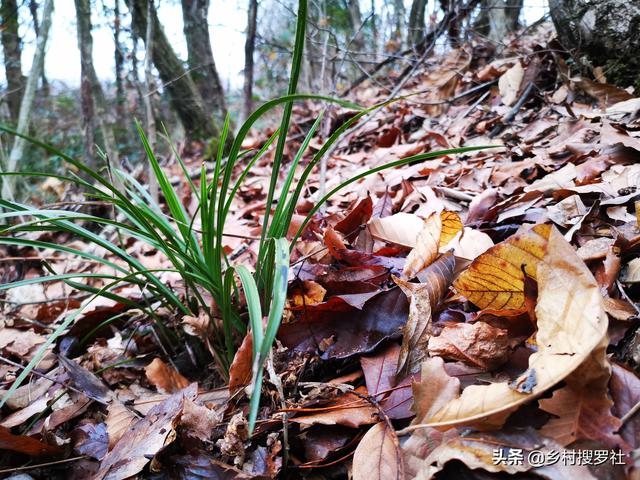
(630, 413)
(40, 465)
(41, 375)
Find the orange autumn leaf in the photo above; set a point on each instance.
(495, 279)
(165, 378)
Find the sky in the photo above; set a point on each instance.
(227, 22)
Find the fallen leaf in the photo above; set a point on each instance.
(632, 272)
(451, 226)
(27, 445)
(625, 393)
(165, 378)
(416, 333)
(378, 455)
(470, 244)
(86, 381)
(307, 292)
(350, 225)
(582, 414)
(144, 438)
(348, 410)
(566, 338)
(509, 84)
(352, 331)
(119, 419)
(426, 248)
(401, 229)
(241, 368)
(434, 390)
(91, 439)
(198, 421)
(477, 344)
(495, 279)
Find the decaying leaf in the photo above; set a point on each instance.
(348, 410)
(571, 324)
(509, 84)
(434, 390)
(401, 228)
(118, 420)
(378, 455)
(416, 333)
(241, 368)
(495, 279)
(27, 445)
(477, 344)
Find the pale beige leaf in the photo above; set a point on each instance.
(426, 249)
(469, 244)
(401, 228)
(632, 271)
(571, 324)
(434, 390)
(378, 455)
(119, 419)
(509, 84)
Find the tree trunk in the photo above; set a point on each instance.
(91, 94)
(606, 32)
(12, 48)
(148, 105)
(119, 61)
(355, 17)
(26, 105)
(185, 98)
(249, 49)
(202, 67)
(417, 26)
(498, 18)
(33, 8)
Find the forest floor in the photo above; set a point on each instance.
(517, 351)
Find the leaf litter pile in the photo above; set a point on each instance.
(444, 320)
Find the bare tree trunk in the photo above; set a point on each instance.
(91, 94)
(119, 60)
(148, 105)
(33, 8)
(249, 50)
(202, 67)
(399, 13)
(356, 24)
(417, 26)
(185, 98)
(603, 31)
(498, 18)
(26, 106)
(12, 48)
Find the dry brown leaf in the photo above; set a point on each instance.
(241, 367)
(145, 438)
(426, 249)
(434, 390)
(165, 378)
(572, 323)
(118, 420)
(27, 445)
(477, 344)
(417, 330)
(378, 455)
(582, 414)
(509, 84)
(348, 410)
(198, 421)
(495, 279)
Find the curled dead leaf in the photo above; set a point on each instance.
(165, 378)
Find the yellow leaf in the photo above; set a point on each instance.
(495, 279)
(451, 225)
